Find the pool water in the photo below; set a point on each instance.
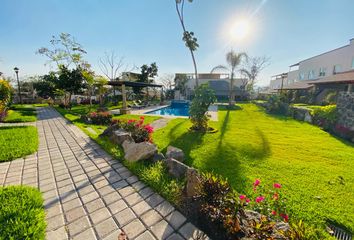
(177, 108)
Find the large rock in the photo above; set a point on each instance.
(158, 157)
(176, 168)
(175, 153)
(138, 151)
(193, 182)
(119, 136)
(109, 131)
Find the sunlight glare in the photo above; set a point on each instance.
(240, 30)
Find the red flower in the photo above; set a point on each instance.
(242, 197)
(259, 199)
(142, 117)
(131, 121)
(285, 217)
(256, 182)
(148, 128)
(248, 200)
(277, 185)
(274, 212)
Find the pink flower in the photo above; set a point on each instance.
(259, 199)
(277, 185)
(256, 182)
(274, 213)
(148, 128)
(248, 200)
(242, 197)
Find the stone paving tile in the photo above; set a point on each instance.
(88, 194)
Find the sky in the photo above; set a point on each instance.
(143, 31)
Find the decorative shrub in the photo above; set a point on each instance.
(277, 104)
(203, 97)
(325, 116)
(5, 98)
(224, 212)
(100, 118)
(140, 132)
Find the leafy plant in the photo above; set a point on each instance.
(325, 116)
(203, 97)
(5, 98)
(100, 118)
(277, 104)
(140, 132)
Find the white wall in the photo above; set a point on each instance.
(342, 56)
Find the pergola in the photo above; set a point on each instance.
(123, 84)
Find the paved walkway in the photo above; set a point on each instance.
(89, 195)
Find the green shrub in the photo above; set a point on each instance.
(330, 98)
(139, 131)
(21, 213)
(325, 116)
(277, 104)
(5, 98)
(100, 118)
(203, 97)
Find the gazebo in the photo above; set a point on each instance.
(123, 84)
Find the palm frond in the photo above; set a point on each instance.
(218, 68)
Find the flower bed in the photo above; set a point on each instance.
(99, 118)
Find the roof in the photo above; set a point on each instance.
(339, 78)
(133, 84)
(302, 85)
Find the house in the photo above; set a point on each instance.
(219, 82)
(323, 73)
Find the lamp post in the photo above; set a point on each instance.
(18, 84)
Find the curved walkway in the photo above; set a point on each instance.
(89, 195)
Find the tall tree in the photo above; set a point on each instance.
(147, 74)
(233, 61)
(188, 37)
(251, 69)
(64, 51)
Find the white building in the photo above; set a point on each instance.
(328, 67)
(220, 82)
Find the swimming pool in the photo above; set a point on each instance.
(177, 108)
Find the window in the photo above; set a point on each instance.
(311, 74)
(302, 76)
(353, 63)
(322, 72)
(337, 68)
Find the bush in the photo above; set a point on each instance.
(325, 116)
(330, 98)
(21, 213)
(277, 104)
(100, 118)
(204, 96)
(5, 98)
(140, 132)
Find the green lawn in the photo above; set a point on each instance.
(21, 113)
(22, 214)
(16, 142)
(152, 174)
(315, 168)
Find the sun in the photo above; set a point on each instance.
(240, 29)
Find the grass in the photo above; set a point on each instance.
(152, 174)
(16, 142)
(22, 214)
(21, 113)
(315, 168)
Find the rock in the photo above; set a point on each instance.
(119, 136)
(193, 182)
(308, 117)
(175, 153)
(158, 157)
(109, 131)
(138, 151)
(282, 226)
(176, 168)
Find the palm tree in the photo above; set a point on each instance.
(233, 60)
